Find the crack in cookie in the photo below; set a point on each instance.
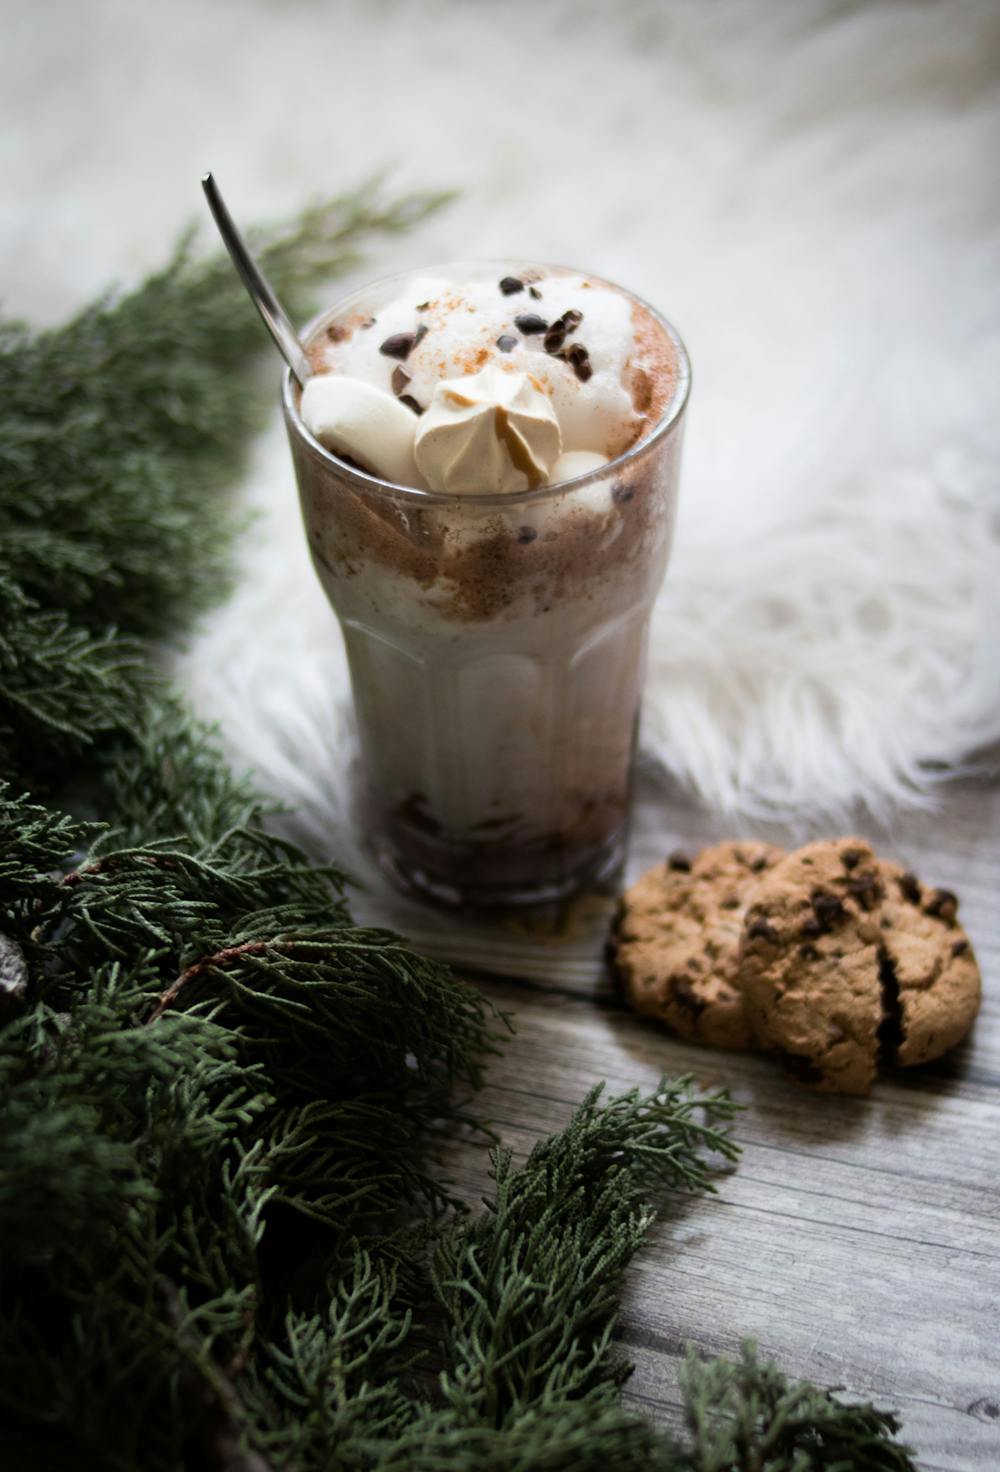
(849, 963)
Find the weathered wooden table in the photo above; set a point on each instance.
(858, 1241)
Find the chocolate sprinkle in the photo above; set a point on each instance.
(399, 345)
(422, 306)
(533, 291)
(420, 334)
(554, 339)
(568, 322)
(506, 342)
(530, 323)
(411, 403)
(579, 359)
(400, 378)
(510, 285)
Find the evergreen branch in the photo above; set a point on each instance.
(220, 1423)
(34, 842)
(530, 1291)
(221, 959)
(745, 1416)
(62, 688)
(334, 1377)
(119, 430)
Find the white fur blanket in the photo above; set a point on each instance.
(808, 190)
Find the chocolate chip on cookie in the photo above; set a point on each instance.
(675, 944)
(847, 963)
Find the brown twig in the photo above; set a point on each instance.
(77, 876)
(221, 958)
(112, 861)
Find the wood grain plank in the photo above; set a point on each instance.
(858, 1240)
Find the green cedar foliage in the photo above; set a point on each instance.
(226, 1241)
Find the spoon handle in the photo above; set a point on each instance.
(264, 299)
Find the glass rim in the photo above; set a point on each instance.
(362, 479)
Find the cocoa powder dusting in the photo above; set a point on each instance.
(653, 372)
(473, 579)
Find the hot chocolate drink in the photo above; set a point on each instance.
(487, 461)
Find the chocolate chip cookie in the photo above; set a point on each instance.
(847, 962)
(675, 943)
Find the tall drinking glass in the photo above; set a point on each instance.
(497, 648)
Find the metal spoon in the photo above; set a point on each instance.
(275, 317)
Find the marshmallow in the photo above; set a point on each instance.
(356, 419)
(488, 431)
(572, 463)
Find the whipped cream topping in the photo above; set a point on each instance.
(574, 335)
(487, 431)
(585, 348)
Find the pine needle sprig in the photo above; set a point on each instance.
(119, 430)
(62, 687)
(531, 1289)
(336, 1381)
(119, 434)
(746, 1416)
(36, 847)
